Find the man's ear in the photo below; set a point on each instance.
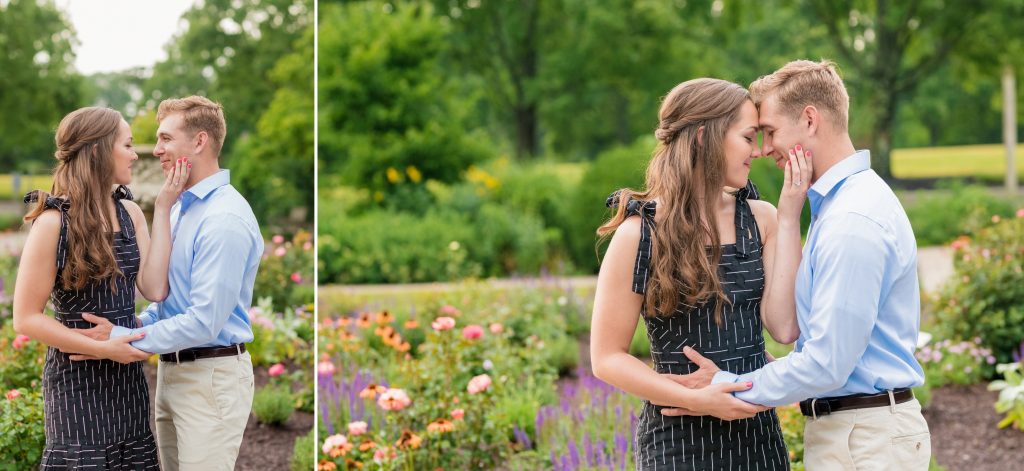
(810, 119)
(200, 142)
(700, 136)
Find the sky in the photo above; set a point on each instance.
(115, 35)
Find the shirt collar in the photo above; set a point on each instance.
(206, 186)
(836, 176)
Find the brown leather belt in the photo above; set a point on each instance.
(826, 405)
(193, 354)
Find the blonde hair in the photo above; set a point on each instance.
(686, 176)
(84, 175)
(200, 114)
(801, 83)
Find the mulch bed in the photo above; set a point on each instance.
(963, 422)
(263, 447)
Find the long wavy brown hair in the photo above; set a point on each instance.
(85, 176)
(686, 177)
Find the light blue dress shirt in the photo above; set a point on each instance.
(857, 296)
(215, 251)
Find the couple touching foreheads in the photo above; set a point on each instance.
(88, 251)
(708, 266)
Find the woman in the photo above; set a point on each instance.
(707, 269)
(87, 251)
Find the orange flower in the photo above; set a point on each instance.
(367, 445)
(372, 391)
(353, 464)
(344, 321)
(409, 440)
(411, 324)
(392, 339)
(441, 426)
(403, 347)
(383, 331)
(325, 465)
(340, 450)
(363, 321)
(346, 335)
(385, 317)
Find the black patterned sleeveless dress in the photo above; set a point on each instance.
(97, 411)
(709, 443)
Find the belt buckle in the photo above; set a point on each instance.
(825, 410)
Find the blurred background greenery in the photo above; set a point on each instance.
(461, 138)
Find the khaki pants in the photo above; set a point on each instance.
(201, 408)
(876, 438)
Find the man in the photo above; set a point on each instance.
(205, 379)
(857, 295)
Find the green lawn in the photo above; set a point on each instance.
(28, 182)
(987, 161)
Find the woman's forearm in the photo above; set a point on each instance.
(779, 305)
(39, 326)
(632, 375)
(152, 281)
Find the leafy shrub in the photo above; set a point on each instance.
(21, 360)
(272, 405)
(21, 419)
(1011, 395)
(391, 247)
(955, 210)
(392, 118)
(792, 423)
(286, 271)
(387, 247)
(949, 362)
(302, 457)
(984, 298)
(619, 167)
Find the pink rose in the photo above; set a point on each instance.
(479, 384)
(20, 341)
(280, 251)
(325, 368)
(449, 310)
(296, 277)
(356, 428)
(1020, 213)
(278, 239)
(276, 370)
(13, 394)
(394, 400)
(443, 323)
(472, 332)
(333, 442)
(307, 246)
(996, 218)
(458, 414)
(496, 328)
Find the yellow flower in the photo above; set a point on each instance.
(393, 175)
(414, 174)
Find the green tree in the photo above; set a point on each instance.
(892, 47)
(226, 53)
(390, 119)
(502, 43)
(38, 85)
(121, 90)
(274, 166)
